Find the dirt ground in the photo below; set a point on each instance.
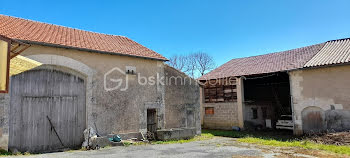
(339, 138)
(216, 147)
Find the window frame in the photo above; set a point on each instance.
(209, 111)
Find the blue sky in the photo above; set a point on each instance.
(225, 29)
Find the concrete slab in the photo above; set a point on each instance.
(176, 133)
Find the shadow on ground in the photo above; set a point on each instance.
(280, 135)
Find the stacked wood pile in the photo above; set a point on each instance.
(220, 90)
(340, 138)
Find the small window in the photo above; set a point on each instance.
(209, 110)
(131, 70)
(255, 113)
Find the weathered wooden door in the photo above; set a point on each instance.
(152, 120)
(313, 120)
(40, 95)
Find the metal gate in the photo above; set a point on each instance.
(47, 111)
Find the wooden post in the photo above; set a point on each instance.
(240, 101)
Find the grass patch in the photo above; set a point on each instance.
(127, 143)
(203, 136)
(301, 144)
(4, 152)
(278, 139)
(7, 153)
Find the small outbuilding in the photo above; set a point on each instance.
(310, 84)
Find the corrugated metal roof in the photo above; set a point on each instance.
(334, 52)
(268, 63)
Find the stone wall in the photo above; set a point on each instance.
(109, 112)
(122, 110)
(265, 111)
(182, 104)
(4, 128)
(320, 98)
(225, 116)
(113, 111)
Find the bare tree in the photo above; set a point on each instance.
(173, 61)
(179, 62)
(204, 62)
(194, 64)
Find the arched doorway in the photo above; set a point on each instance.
(47, 110)
(313, 119)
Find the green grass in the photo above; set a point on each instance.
(7, 153)
(203, 136)
(301, 144)
(278, 139)
(4, 152)
(129, 143)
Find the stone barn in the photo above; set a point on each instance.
(88, 79)
(310, 84)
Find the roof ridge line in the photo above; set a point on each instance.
(340, 39)
(166, 64)
(280, 51)
(63, 36)
(305, 53)
(61, 26)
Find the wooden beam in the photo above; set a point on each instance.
(20, 51)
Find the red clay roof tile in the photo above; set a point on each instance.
(32, 31)
(268, 63)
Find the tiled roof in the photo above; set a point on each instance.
(268, 63)
(59, 36)
(334, 52)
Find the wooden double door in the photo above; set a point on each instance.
(47, 111)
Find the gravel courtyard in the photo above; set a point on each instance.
(216, 147)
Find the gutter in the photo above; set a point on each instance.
(87, 50)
